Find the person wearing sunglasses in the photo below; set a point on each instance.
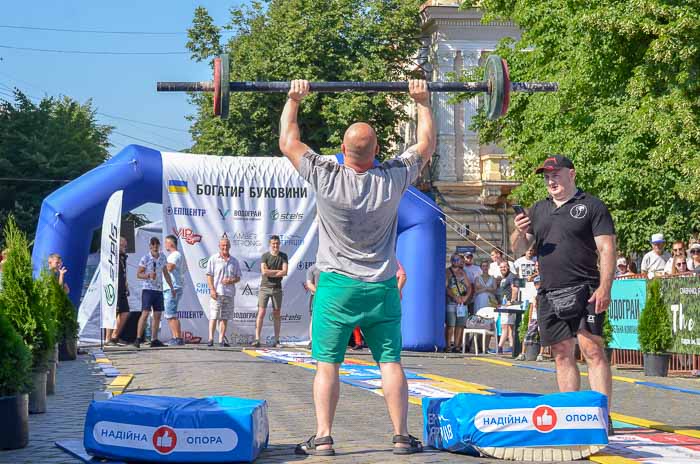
(677, 250)
(695, 257)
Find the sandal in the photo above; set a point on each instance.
(414, 444)
(309, 447)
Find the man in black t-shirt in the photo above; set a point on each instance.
(273, 267)
(574, 236)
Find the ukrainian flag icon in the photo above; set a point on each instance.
(177, 186)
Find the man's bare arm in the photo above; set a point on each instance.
(290, 142)
(606, 250)
(425, 130)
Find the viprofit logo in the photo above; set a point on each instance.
(109, 294)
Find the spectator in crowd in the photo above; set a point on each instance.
(496, 260)
(176, 268)
(678, 249)
(312, 276)
(654, 261)
(112, 336)
(152, 271)
(525, 265)
(532, 335)
(632, 266)
(622, 269)
(485, 289)
(273, 267)
(3, 257)
(472, 270)
(679, 265)
(695, 256)
(459, 290)
(507, 292)
(223, 272)
(57, 268)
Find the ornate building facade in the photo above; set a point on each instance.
(472, 181)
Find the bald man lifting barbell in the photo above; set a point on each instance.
(357, 206)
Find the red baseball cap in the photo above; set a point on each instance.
(555, 162)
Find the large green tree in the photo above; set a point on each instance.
(355, 40)
(627, 111)
(58, 138)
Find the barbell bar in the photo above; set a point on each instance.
(497, 86)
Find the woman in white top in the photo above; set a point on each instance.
(485, 288)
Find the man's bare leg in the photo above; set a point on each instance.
(395, 389)
(568, 375)
(277, 318)
(222, 329)
(259, 322)
(212, 328)
(326, 395)
(174, 325)
(141, 327)
(599, 374)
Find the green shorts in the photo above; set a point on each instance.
(342, 303)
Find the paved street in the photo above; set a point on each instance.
(362, 431)
(65, 416)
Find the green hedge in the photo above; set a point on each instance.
(15, 360)
(655, 334)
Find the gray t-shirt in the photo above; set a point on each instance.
(358, 213)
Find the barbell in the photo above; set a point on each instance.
(496, 85)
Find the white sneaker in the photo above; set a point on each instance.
(540, 358)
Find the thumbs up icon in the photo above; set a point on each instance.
(545, 419)
(165, 441)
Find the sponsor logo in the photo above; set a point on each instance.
(113, 263)
(285, 317)
(285, 216)
(202, 288)
(164, 440)
(290, 240)
(578, 211)
(204, 263)
(591, 319)
(177, 186)
(240, 214)
(178, 211)
(304, 265)
(250, 266)
(544, 418)
(188, 235)
(245, 239)
(109, 294)
(250, 291)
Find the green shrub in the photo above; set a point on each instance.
(22, 299)
(60, 306)
(15, 360)
(522, 330)
(655, 335)
(607, 330)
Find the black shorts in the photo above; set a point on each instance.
(152, 300)
(122, 304)
(554, 330)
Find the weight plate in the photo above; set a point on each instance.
(217, 86)
(506, 87)
(496, 82)
(225, 86)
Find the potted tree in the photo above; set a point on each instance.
(21, 302)
(15, 383)
(655, 335)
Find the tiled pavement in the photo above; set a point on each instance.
(65, 414)
(362, 430)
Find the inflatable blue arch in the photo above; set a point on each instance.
(71, 214)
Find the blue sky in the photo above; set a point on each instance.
(119, 85)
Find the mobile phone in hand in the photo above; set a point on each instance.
(519, 209)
